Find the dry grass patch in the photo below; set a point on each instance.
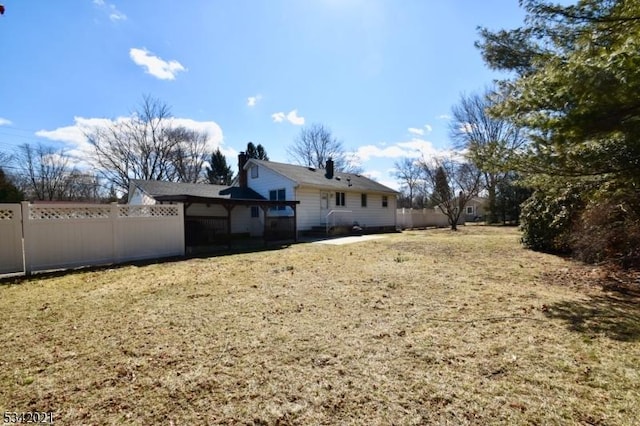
(419, 328)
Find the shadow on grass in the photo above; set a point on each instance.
(615, 315)
(212, 252)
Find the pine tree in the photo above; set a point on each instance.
(220, 172)
(9, 193)
(257, 152)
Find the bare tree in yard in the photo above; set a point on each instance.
(148, 146)
(409, 173)
(315, 145)
(490, 142)
(190, 154)
(453, 184)
(43, 173)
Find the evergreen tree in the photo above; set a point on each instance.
(219, 173)
(9, 193)
(257, 152)
(575, 87)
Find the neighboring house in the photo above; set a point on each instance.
(476, 209)
(274, 201)
(328, 198)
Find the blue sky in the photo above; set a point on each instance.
(382, 74)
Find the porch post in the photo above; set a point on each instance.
(264, 230)
(228, 208)
(295, 224)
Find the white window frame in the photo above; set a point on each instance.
(280, 195)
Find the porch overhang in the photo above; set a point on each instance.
(229, 204)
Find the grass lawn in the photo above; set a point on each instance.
(423, 327)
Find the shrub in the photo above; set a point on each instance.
(609, 229)
(547, 218)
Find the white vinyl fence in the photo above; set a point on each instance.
(11, 259)
(422, 218)
(58, 236)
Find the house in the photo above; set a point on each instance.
(216, 214)
(329, 199)
(476, 209)
(274, 201)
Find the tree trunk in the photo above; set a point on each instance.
(493, 216)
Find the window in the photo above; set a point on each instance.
(363, 200)
(469, 209)
(340, 199)
(254, 172)
(278, 195)
(255, 211)
(385, 201)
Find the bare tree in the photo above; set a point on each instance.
(453, 184)
(148, 146)
(82, 186)
(409, 172)
(490, 142)
(5, 159)
(42, 172)
(190, 154)
(315, 145)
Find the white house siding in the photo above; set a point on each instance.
(268, 180)
(308, 211)
(374, 215)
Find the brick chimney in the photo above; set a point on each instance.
(242, 173)
(329, 169)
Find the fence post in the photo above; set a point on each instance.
(113, 218)
(26, 258)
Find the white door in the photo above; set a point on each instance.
(324, 206)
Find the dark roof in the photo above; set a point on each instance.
(156, 188)
(308, 176)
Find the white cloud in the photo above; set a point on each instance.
(278, 117)
(292, 117)
(111, 9)
(420, 131)
(154, 65)
(5, 122)
(465, 128)
(75, 136)
(414, 148)
(393, 184)
(444, 117)
(253, 100)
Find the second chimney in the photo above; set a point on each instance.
(242, 173)
(329, 169)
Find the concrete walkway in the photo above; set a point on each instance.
(349, 240)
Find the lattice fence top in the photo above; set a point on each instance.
(148, 211)
(68, 212)
(6, 214)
